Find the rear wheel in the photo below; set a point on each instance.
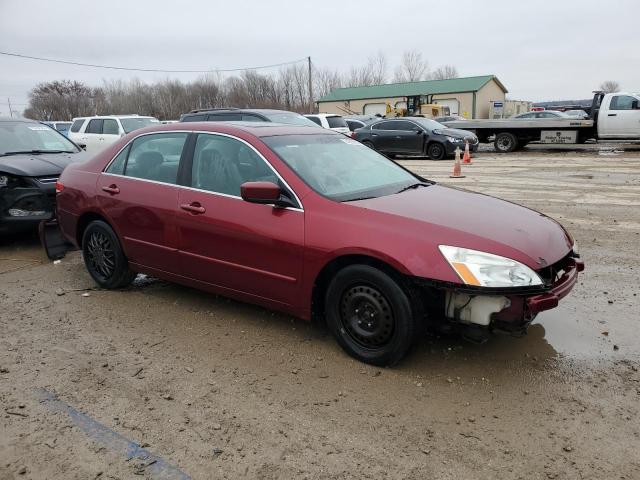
(370, 315)
(369, 143)
(436, 151)
(104, 258)
(505, 142)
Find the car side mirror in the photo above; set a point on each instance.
(83, 146)
(265, 193)
(417, 130)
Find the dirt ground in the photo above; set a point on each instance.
(161, 381)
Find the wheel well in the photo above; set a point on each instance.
(83, 222)
(431, 142)
(334, 266)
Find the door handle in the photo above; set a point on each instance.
(374, 134)
(112, 189)
(612, 115)
(193, 207)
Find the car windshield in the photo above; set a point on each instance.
(134, 123)
(290, 119)
(340, 168)
(427, 123)
(28, 137)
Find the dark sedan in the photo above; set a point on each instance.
(32, 157)
(415, 136)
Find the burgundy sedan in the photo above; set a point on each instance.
(310, 222)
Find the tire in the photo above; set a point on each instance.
(104, 258)
(369, 143)
(436, 151)
(359, 293)
(505, 142)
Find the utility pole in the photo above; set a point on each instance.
(10, 111)
(311, 106)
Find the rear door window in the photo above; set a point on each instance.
(383, 126)
(155, 157)
(110, 127)
(95, 126)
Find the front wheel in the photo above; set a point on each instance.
(104, 258)
(370, 315)
(436, 151)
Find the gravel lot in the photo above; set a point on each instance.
(162, 381)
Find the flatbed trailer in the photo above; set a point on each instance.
(614, 116)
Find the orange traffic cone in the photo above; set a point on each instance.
(467, 156)
(457, 169)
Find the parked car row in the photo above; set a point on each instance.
(294, 217)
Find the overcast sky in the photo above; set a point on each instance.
(542, 50)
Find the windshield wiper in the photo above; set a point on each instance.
(413, 186)
(35, 152)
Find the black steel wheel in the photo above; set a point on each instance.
(370, 315)
(436, 151)
(366, 316)
(505, 142)
(103, 256)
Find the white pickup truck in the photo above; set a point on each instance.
(614, 116)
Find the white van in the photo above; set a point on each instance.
(96, 133)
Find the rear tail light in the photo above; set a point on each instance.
(353, 135)
(59, 186)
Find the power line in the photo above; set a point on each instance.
(110, 67)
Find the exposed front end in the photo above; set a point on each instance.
(500, 308)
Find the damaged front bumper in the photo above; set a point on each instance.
(506, 309)
(25, 207)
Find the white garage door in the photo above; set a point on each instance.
(452, 103)
(375, 108)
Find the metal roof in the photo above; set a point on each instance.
(408, 89)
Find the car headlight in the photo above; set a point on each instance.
(575, 248)
(455, 139)
(487, 270)
(4, 180)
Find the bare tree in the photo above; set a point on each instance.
(60, 99)
(444, 72)
(610, 86)
(325, 81)
(378, 68)
(412, 67)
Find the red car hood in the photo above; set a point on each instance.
(450, 216)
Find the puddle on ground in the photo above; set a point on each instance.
(564, 333)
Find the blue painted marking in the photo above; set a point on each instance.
(153, 465)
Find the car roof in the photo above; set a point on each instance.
(132, 115)
(23, 120)
(239, 110)
(257, 129)
(324, 115)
